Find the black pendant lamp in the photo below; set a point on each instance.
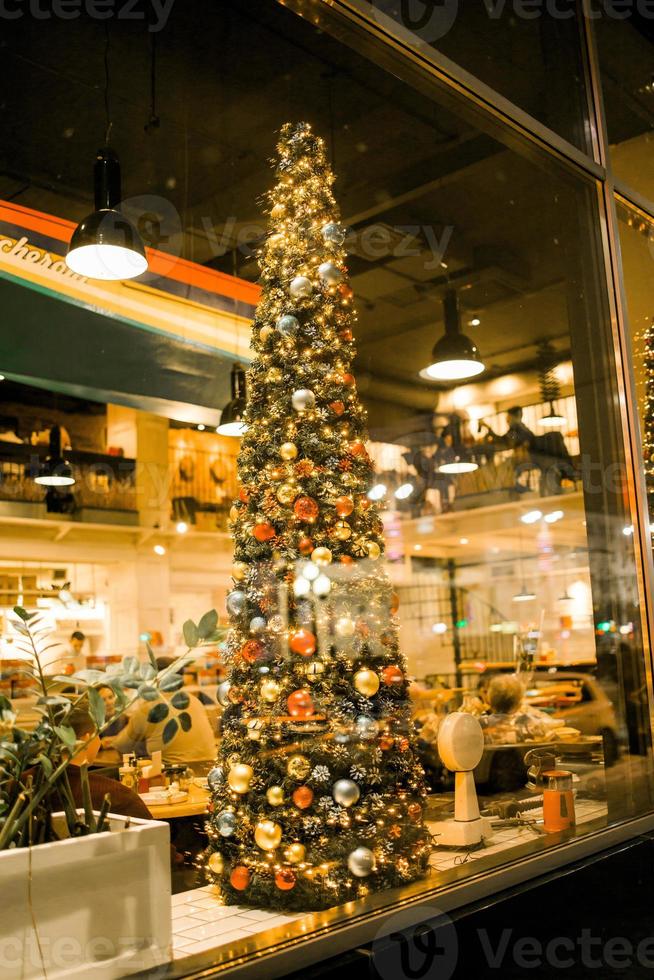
(55, 470)
(106, 245)
(232, 416)
(454, 356)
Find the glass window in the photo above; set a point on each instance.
(484, 362)
(626, 57)
(529, 53)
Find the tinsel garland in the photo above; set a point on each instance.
(317, 797)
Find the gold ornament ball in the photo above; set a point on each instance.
(286, 493)
(321, 556)
(342, 530)
(275, 795)
(298, 767)
(274, 375)
(295, 853)
(234, 512)
(374, 551)
(366, 682)
(267, 835)
(216, 863)
(314, 670)
(270, 689)
(239, 570)
(277, 211)
(239, 777)
(288, 450)
(264, 333)
(345, 626)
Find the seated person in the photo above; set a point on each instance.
(195, 745)
(123, 800)
(109, 697)
(509, 719)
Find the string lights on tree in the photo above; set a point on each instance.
(317, 797)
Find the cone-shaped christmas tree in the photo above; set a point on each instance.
(317, 797)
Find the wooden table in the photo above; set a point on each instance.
(195, 805)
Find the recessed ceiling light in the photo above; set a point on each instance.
(159, 550)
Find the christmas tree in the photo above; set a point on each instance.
(317, 797)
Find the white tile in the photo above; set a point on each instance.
(206, 902)
(215, 943)
(179, 911)
(208, 930)
(218, 912)
(259, 914)
(182, 923)
(180, 943)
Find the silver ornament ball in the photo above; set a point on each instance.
(361, 862)
(346, 792)
(236, 602)
(257, 625)
(288, 324)
(330, 273)
(333, 233)
(226, 823)
(300, 287)
(215, 777)
(367, 728)
(303, 399)
(222, 693)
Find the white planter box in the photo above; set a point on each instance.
(100, 904)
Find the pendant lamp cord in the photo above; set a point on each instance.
(107, 110)
(154, 121)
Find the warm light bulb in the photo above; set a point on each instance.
(452, 370)
(159, 549)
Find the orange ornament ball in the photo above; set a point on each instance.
(300, 704)
(243, 495)
(346, 560)
(240, 878)
(345, 291)
(303, 797)
(392, 676)
(349, 380)
(303, 642)
(263, 532)
(386, 743)
(357, 448)
(285, 879)
(344, 506)
(337, 407)
(395, 602)
(305, 545)
(306, 509)
(253, 651)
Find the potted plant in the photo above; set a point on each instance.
(82, 889)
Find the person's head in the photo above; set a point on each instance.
(108, 695)
(514, 414)
(77, 641)
(84, 727)
(505, 694)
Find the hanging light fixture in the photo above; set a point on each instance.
(55, 470)
(455, 458)
(106, 245)
(550, 389)
(524, 595)
(454, 356)
(232, 416)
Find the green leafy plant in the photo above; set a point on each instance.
(33, 764)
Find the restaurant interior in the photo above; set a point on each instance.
(509, 540)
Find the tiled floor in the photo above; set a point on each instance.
(200, 924)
